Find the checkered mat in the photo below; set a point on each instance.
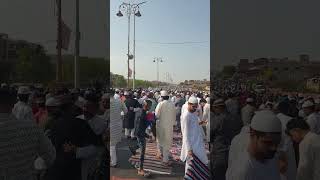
(155, 165)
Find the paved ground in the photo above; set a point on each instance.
(125, 170)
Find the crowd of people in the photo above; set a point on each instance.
(52, 134)
(148, 115)
(264, 136)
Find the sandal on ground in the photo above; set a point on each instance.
(144, 174)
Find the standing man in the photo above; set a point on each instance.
(21, 142)
(192, 135)
(166, 114)
(223, 128)
(116, 107)
(309, 149)
(258, 160)
(22, 110)
(247, 111)
(312, 117)
(286, 149)
(129, 121)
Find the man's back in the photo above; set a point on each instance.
(20, 144)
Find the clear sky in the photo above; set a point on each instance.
(164, 21)
(253, 29)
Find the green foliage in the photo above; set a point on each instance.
(90, 69)
(33, 66)
(118, 81)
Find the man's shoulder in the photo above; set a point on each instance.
(241, 169)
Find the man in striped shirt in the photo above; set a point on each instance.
(21, 142)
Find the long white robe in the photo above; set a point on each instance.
(309, 163)
(166, 113)
(116, 107)
(22, 111)
(192, 137)
(314, 122)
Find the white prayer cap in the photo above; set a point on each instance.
(52, 102)
(249, 100)
(143, 92)
(164, 93)
(193, 100)
(307, 103)
(23, 90)
(266, 121)
(3, 85)
(218, 102)
(208, 100)
(126, 93)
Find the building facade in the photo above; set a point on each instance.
(280, 69)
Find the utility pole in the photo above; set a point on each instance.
(59, 44)
(77, 48)
(128, 85)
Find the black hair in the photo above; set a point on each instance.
(165, 97)
(148, 102)
(297, 123)
(23, 97)
(283, 107)
(7, 96)
(203, 101)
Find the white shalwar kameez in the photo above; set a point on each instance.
(314, 122)
(192, 138)
(22, 111)
(309, 163)
(246, 167)
(166, 113)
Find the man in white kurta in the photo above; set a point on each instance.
(166, 114)
(116, 107)
(286, 145)
(22, 110)
(312, 117)
(192, 135)
(309, 149)
(247, 160)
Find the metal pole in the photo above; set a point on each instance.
(158, 72)
(134, 50)
(7, 48)
(59, 42)
(77, 48)
(129, 9)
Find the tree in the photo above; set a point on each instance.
(33, 65)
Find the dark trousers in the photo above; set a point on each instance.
(142, 146)
(153, 128)
(218, 164)
(178, 120)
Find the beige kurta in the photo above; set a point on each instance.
(166, 113)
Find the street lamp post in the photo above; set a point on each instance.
(157, 60)
(131, 9)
